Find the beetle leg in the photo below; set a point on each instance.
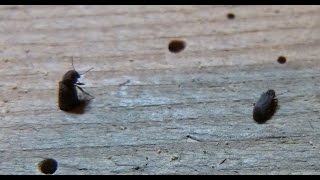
(79, 83)
(83, 91)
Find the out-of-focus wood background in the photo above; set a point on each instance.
(158, 112)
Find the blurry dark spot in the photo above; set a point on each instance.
(231, 16)
(204, 152)
(174, 158)
(124, 83)
(282, 59)
(136, 168)
(131, 60)
(82, 169)
(48, 166)
(276, 11)
(176, 46)
(27, 51)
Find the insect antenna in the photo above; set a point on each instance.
(282, 92)
(86, 71)
(72, 63)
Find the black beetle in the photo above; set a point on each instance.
(48, 166)
(266, 106)
(68, 96)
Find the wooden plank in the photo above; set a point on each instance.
(157, 112)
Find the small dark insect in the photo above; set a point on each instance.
(48, 166)
(68, 96)
(266, 106)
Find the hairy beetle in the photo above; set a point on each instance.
(265, 107)
(68, 96)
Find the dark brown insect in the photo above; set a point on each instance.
(68, 95)
(266, 106)
(48, 166)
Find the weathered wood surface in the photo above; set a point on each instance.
(157, 112)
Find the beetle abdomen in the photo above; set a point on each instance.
(261, 115)
(265, 107)
(68, 97)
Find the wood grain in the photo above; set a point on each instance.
(157, 112)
